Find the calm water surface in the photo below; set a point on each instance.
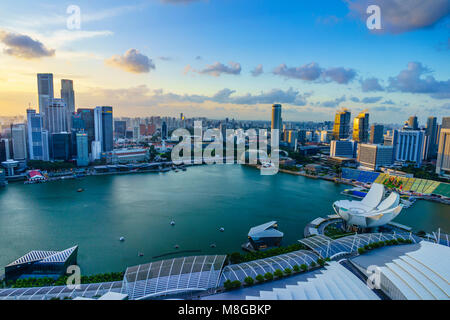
(55, 216)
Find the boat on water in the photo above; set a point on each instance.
(122, 239)
(172, 223)
(140, 254)
(222, 229)
(80, 190)
(212, 245)
(176, 246)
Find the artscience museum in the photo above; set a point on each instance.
(373, 210)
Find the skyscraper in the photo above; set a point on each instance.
(361, 127)
(276, 118)
(120, 127)
(103, 117)
(60, 146)
(56, 116)
(68, 95)
(82, 149)
(376, 133)
(88, 121)
(413, 123)
(431, 133)
(164, 131)
(19, 141)
(37, 137)
(408, 146)
(443, 155)
(373, 156)
(341, 127)
(45, 93)
(445, 123)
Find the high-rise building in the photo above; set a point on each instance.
(408, 146)
(45, 93)
(431, 134)
(120, 127)
(443, 154)
(376, 133)
(57, 116)
(445, 123)
(164, 131)
(19, 141)
(4, 150)
(61, 146)
(87, 116)
(341, 127)
(277, 122)
(68, 95)
(361, 127)
(373, 156)
(343, 148)
(413, 123)
(82, 149)
(37, 137)
(103, 117)
(2, 177)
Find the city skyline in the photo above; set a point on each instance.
(145, 64)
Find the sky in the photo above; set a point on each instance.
(231, 58)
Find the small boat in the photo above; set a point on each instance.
(172, 223)
(212, 245)
(176, 170)
(80, 190)
(221, 229)
(121, 239)
(140, 254)
(176, 246)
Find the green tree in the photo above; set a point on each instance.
(296, 268)
(304, 267)
(287, 271)
(278, 273)
(259, 278)
(249, 280)
(268, 276)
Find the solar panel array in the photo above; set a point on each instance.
(45, 293)
(196, 273)
(262, 266)
(327, 247)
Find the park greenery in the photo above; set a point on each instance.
(237, 257)
(50, 165)
(46, 281)
(379, 244)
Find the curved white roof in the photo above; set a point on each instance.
(265, 230)
(371, 211)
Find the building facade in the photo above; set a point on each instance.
(82, 149)
(19, 141)
(103, 117)
(277, 122)
(37, 137)
(361, 128)
(45, 93)
(341, 127)
(57, 116)
(443, 155)
(408, 146)
(342, 148)
(376, 133)
(374, 156)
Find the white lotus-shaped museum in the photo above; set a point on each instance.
(372, 211)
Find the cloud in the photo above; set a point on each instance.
(258, 70)
(385, 109)
(218, 68)
(144, 96)
(371, 99)
(332, 103)
(355, 99)
(132, 61)
(417, 79)
(398, 16)
(371, 84)
(390, 102)
(312, 72)
(22, 46)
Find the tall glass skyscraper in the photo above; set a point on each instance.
(68, 95)
(45, 93)
(361, 127)
(19, 141)
(82, 149)
(103, 117)
(341, 127)
(37, 137)
(276, 118)
(57, 116)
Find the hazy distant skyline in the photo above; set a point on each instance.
(232, 58)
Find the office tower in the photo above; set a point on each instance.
(19, 141)
(45, 93)
(343, 149)
(120, 127)
(324, 138)
(2, 177)
(82, 149)
(413, 123)
(103, 117)
(4, 150)
(164, 131)
(443, 154)
(445, 123)
(68, 95)
(56, 116)
(361, 127)
(431, 133)
(96, 148)
(37, 137)
(341, 127)
(301, 136)
(373, 156)
(276, 118)
(408, 146)
(60, 143)
(376, 133)
(88, 122)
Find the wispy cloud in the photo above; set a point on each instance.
(216, 69)
(313, 72)
(258, 70)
